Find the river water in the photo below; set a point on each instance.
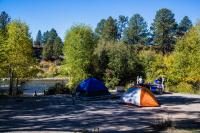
(39, 85)
(34, 85)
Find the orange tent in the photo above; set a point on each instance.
(140, 96)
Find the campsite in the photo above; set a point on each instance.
(93, 109)
(95, 66)
(58, 114)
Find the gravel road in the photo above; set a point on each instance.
(58, 114)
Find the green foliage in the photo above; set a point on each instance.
(4, 21)
(52, 45)
(184, 26)
(19, 54)
(187, 58)
(109, 59)
(45, 37)
(116, 63)
(164, 29)
(57, 48)
(136, 32)
(100, 60)
(100, 27)
(110, 30)
(121, 25)
(2, 53)
(47, 52)
(78, 49)
(39, 38)
(52, 71)
(122, 62)
(154, 64)
(147, 58)
(181, 68)
(182, 87)
(58, 88)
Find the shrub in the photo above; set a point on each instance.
(116, 63)
(182, 87)
(154, 64)
(184, 70)
(58, 88)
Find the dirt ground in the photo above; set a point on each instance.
(58, 114)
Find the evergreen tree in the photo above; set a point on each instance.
(100, 27)
(52, 34)
(164, 29)
(136, 32)
(4, 20)
(121, 25)
(38, 40)
(45, 37)
(47, 52)
(57, 48)
(184, 26)
(52, 45)
(110, 30)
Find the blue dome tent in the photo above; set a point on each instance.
(92, 87)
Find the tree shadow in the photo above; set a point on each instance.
(54, 113)
(177, 100)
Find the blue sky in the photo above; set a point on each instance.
(62, 14)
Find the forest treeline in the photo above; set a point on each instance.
(117, 51)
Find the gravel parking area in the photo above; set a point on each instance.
(58, 114)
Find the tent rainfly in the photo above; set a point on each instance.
(92, 87)
(140, 97)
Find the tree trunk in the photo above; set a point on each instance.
(17, 89)
(11, 83)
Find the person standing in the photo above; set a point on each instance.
(140, 81)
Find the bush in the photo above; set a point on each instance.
(182, 87)
(110, 79)
(117, 63)
(154, 64)
(184, 70)
(57, 89)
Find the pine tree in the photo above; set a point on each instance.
(184, 26)
(45, 37)
(110, 30)
(39, 39)
(136, 32)
(57, 48)
(121, 25)
(164, 29)
(100, 27)
(52, 45)
(4, 21)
